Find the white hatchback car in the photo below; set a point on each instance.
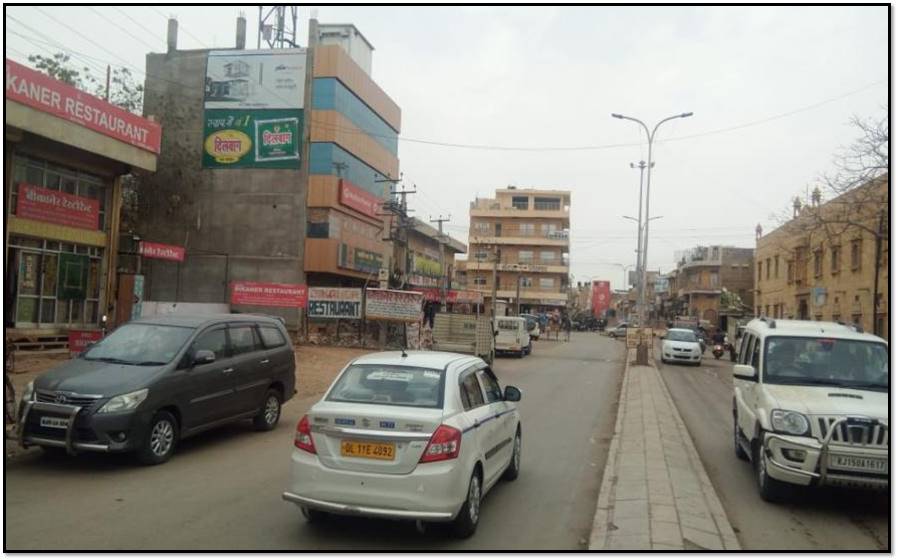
(418, 435)
(681, 345)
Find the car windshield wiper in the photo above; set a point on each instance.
(148, 363)
(788, 381)
(113, 361)
(864, 386)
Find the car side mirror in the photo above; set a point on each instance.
(203, 357)
(512, 394)
(745, 372)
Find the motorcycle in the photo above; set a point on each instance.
(717, 350)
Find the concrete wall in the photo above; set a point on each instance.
(255, 216)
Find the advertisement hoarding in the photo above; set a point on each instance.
(335, 303)
(393, 305)
(355, 258)
(161, 251)
(359, 199)
(56, 207)
(268, 138)
(38, 91)
(261, 79)
(601, 297)
(268, 294)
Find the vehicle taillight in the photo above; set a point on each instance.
(445, 443)
(303, 439)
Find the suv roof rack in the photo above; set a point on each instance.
(857, 327)
(771, 323)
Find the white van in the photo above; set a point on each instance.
(512, 336)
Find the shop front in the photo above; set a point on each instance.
(65, 154)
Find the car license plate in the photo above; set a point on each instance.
(868, 464)
(51, 422)
(368, 450)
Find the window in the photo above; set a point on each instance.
(272, 337)
(526, 229)
(541, 203)
(715, 279)
(243, 339)
(756, 355)
(759, 271)
(547, 283)
(214, 340)
(481, 227)
(471, 396)
(490, 385)
(767, 311)
(141, 343)
(525, 257)
(480, 280)
(481, 255)
(835, 259)
(856, 255)
(548, 229)
(836, 317)
(526, 282)
(818, 263)
(768, 269)
(776, 266)
(520, 202)
(547, 256)
(745, 350)
(389, 385)
(790, 271)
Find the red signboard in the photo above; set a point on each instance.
(452, 296)
(359, 199)
(160, 251)
(269, 295)
(45, 205)
(601, 297)
(78, 340)
(32, 88)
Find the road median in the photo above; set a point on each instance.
(655, 493)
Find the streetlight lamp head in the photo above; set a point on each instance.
(617, 115)
(684, 115)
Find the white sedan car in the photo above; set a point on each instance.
(681, 345)
(418, 435)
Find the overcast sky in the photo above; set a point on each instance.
(547, 77)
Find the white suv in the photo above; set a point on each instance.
(811, 405)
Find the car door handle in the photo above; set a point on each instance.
(227, 370)
(265, 361)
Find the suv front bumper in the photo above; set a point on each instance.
(83, 432)
(785, 463)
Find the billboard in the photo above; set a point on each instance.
(160, 251)
(253, 109)
(56, 207)
(335, 303)
(32, 88)
(393, 305)
(601, 297)
(268, 294)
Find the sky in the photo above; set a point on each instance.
(544, 80)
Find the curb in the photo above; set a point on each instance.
(599, 536)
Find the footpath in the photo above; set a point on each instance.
(655, 493)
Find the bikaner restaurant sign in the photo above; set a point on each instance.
(358, 199)
(268, 294)
(160, 251)
(32, 88)
(45, 205)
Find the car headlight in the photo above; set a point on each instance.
(28, 393)
(127, 401)
(789, 422)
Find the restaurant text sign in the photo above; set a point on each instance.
(160, 251)
(46, 205)
(335, 303)
(268, 294)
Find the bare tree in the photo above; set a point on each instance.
(124, 91)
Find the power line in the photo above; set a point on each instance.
(118, 26)
(181, 27)
(142, 26)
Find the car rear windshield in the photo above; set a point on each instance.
(390, 385)
(826, 361)
(140, 344)
(682, 336)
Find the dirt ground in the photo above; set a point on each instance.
(317, 366)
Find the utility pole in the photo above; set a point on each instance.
(495, 277)
(443, 275)
(876, 266)
(108, 77)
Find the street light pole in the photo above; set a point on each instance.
(641, 165)
(642, 353)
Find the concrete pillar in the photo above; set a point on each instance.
(172, 35)
(241, 32)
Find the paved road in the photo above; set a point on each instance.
(222, 490)
(825, 519)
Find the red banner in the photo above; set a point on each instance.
(45, 205)
(41, 92)
(452, 296)
(269, 295)
(160, 251)
(359, 199)
(78, 340)
(601, 297)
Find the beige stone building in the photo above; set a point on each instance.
(830, 262)
(523, 234)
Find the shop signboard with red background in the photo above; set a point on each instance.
(45, 205)
(160, 251)
(359, 199)
(78, 340)
(34, 89)
(452, 296)
(268, 294)
(601, 297)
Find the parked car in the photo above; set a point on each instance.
(532, 325)
(155, 381)
(512, 336)
(620, 330)
(681, 345)
(418, 435)
(811, 406)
